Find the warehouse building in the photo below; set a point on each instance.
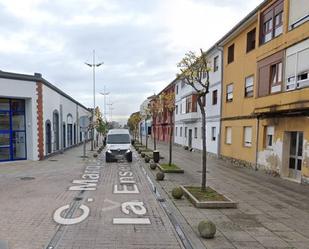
(36, 118)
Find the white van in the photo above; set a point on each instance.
(118, 145)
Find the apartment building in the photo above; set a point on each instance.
(162, 123)
(265, 103)
(37, 119)
(188, 118)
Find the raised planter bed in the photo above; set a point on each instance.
(211, 199)
(170, 169)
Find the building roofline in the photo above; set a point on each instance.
(241, 24)
(37, 77)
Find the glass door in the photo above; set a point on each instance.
(12, 130)
(296, 155)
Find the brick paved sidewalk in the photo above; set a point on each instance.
(272, 212)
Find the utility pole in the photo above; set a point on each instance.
(93, 65)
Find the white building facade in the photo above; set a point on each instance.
(36, 118)
(188, 117)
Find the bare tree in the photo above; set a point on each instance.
(195, 73)
(154, 109)
(168, 103)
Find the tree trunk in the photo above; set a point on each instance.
(171, 139)
(146, 134)
(140, 134)
(204, 152)
(154, 135)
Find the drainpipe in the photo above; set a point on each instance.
(221, 100)
(257, 142)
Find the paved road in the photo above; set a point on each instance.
(46, 204)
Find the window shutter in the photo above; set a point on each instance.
(303, 61)
(298, 9)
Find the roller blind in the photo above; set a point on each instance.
(298, 10)
(303, 61)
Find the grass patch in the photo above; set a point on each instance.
(169, 167)
(208, 195)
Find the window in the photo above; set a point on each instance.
(195, 132)
(214, 97)
(186, 131)
(298, 12)
(176, 109)
(297, 66)
(176, 89)
(183, 106)
(272, 22)
(176, 131)
(183, 83)
(230, 55)
(270, 74)
(269, 136)
(249, 86)
(247, 136)
(251, 40)
(213, 133)
(229, 92)
(180, 132)
(216, 65)
(228, 135)
(276, 77)
(189, 104)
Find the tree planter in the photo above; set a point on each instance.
(224, 203)
(143, 154)
(170, 170)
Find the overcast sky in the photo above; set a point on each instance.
(140, 42)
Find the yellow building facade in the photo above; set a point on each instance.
(265, 91)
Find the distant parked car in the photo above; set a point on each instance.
(118, 145)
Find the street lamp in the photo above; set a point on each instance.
(93, 65)
(105, 94)
(111, 111)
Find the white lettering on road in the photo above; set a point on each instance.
(136, 207)
(125, 189)
(131, 221)
(70, 221)
(84, 185)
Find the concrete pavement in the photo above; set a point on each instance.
(272, 212)
(49, 205)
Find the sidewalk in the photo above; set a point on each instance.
(272, 212)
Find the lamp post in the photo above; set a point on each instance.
(105, 94)
(110, 111)
(93, 65)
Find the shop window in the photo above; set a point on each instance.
(247, 136)
(228, 135)
(186, 131)
(249, 86)
(195, 132)
(229, 92)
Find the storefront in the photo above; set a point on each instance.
(12, 129)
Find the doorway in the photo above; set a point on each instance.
(48, 137)
(296, 155)
(190, 138)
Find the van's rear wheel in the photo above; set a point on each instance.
(107, 158)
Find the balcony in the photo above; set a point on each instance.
(189, 117)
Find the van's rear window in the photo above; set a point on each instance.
(118, 139)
